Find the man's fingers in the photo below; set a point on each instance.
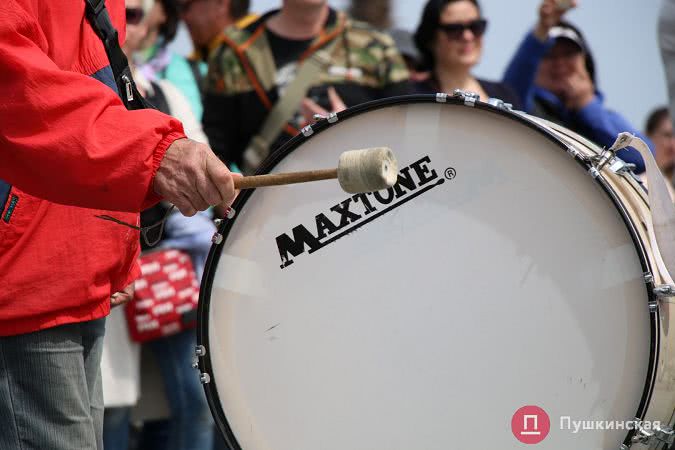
(200, 203)
(117, 299)
(222, 209)
(120, 298)
(313, 107)
(124, 296)
(185, 206)
(335, 101)
(197, 198)
(207, 189)
(221, 178)
(193, 178)
(210, 192)
(310, 107)
(130, 289)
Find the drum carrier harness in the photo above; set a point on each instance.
(98, 17)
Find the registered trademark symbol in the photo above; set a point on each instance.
(450, 173)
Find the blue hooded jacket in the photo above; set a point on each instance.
(594, 121)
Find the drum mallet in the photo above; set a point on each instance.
(366, 170)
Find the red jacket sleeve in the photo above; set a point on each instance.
(66, 137)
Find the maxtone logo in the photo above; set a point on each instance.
(357, 210)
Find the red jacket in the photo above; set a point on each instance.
(69, 149)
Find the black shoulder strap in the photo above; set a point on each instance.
(159, 99)
(98, 17)
(197, 74)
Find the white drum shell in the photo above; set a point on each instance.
(513, 282)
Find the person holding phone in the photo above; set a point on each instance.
(554, 74)
(254, 67)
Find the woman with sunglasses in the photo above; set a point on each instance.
(450, 40)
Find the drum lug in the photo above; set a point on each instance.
(229, 214)
(665, 435)
(652, 438)
(574, 153)
(217, 238)
(307, 131)
(441, 97)
(619, 166)
(200, 351)
(330, 118)
(609, 155)
(499, 103)
(649, 278)
(469, 98)
(664, 290)
(600, 161)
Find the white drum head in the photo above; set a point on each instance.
(501, 276)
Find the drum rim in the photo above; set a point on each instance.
(204, 361)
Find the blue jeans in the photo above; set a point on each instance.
(116, 424)
(50, 388)
(190, 426)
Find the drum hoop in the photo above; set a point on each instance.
(204, 360)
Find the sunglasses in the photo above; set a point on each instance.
(135, 15)
(455, 31)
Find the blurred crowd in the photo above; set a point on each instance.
(245, 90)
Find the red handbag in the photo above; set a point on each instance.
(166, 297)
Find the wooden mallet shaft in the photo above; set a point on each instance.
(365, 170)
(279, 179)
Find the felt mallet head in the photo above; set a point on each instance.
(367, 170)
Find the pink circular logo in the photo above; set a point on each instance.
(530, 424)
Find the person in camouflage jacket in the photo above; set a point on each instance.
(254, 64)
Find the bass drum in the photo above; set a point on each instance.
(502, 271)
